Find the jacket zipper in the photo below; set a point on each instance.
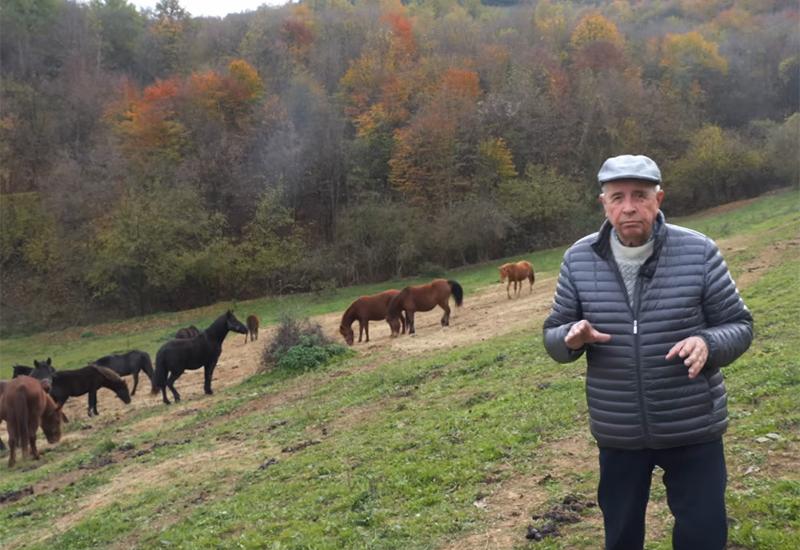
(635, 314)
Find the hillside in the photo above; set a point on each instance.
(450, 439)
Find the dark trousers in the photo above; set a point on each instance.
(695, 478)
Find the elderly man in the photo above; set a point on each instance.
(654, 308)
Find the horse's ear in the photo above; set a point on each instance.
(63, 416)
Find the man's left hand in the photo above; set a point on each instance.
(694, 352)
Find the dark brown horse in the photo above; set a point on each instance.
(252, 328)
(25, 405)
(516, 273)
(366, 309)
(89, 379)
(423, 298)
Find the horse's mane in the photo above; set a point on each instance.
(114, 381)
(349, 315)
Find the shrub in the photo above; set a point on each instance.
(299, 346)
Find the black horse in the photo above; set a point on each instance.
(42, 370)
(129, 363)
(89, 379)
(179, 355)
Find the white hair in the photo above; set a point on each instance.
(656, 188)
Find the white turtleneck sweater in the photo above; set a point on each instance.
(630, 259)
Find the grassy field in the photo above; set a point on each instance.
(449, 449)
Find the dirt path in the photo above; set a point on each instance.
(485, 314)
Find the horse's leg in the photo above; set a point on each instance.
(507, 287)
(208, 371)
(410, 319)
(32, 442)
(360, 330)
(366, 329)
(403, 321)
(164, 395)
(12, 450)
(171, 383)
(446, 317)
(93, 402)
(135, 381)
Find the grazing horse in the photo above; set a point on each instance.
(516, 273)
(179, 355)
(187, 332)
(366, 309)
(24, 405)
(74, 383)
(423, 298)
(129, 363)
(42, 370)
(252, 328)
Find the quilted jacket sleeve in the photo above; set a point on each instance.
(566, 312)
(730, 325)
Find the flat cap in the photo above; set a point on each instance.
(629, 167)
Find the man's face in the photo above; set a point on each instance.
(631, 206)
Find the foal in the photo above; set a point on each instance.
(366, 309)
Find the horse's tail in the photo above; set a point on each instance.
(531, 276)
(395, 307)
(159, 379)
(147, 366)
(457, 291)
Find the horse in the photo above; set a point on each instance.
(516, 273)
(187, 332)
(366, 309)
(204, 350)
(423, 298)
(74, 383)
(252, 328)
(25, 405)
(129, 363)
(42, 370)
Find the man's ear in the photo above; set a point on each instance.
(660, 197)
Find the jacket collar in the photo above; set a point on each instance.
(602, 244)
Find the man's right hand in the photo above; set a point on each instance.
(582, 333)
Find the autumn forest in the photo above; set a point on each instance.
(153, 160)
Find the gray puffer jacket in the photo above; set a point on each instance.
(637, 399)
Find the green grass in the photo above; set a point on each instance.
(400, 452)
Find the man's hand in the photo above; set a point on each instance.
(582, 333)
(694, 352)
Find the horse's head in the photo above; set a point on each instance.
(234, 324)
(52, 418)
(503, 272)
(43, 369)
(347, 334)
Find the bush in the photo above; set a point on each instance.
(299, 346)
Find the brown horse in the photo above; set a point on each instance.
(252, 328)
(25, 405)
(423, 298)
(366, 309)
(516, 273)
